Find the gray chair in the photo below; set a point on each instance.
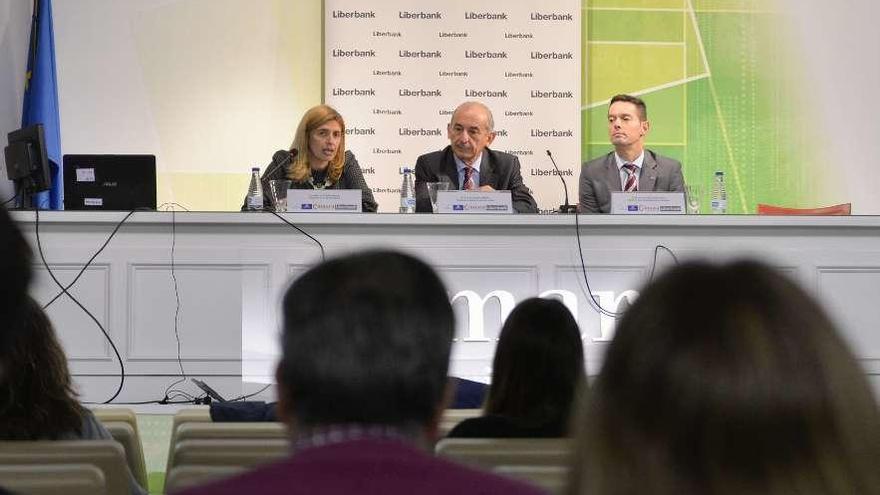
(488, 453)
(107, 455)
(53, 479)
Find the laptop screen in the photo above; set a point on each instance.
(109, 182)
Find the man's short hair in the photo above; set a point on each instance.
(15, 276)
(366, 339)
(635, 100)
(490, 119)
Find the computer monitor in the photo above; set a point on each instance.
(27, 164)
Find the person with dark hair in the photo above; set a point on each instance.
(538, 365)
(320, 160)
(727, 380)
(630, 167)
(362, 384)
(38, 401)
(15, 276)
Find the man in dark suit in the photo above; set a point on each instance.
(630, 167)
(362, 385)
(469, 164)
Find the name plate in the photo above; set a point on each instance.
(474, 202)
(324, 200)
(647, 203)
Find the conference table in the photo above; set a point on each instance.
(210, 283)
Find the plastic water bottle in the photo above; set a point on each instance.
(407, 191)
(255, 191)
(719, 194)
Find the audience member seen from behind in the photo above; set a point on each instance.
(727, 380)
(38, 401)
(320, 160)
(15, 275)
(362, 390)
(538, 365)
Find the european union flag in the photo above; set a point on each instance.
(41, 98)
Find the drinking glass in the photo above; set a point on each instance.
(433, 187)
(278, 189)
(693, 195)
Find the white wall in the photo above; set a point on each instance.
(840, 44)
(15, 27)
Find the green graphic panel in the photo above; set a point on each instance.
(654, 27)
(719, 86)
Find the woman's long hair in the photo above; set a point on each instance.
(37, 399)
(538, 364)
(316, 117)
(727, 380)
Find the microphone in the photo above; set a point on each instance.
(566, 208)
(281, 158)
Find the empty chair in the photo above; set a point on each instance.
(128, 437)
(552, 479)
(107, 455)
(841, 209)
(185, 476)
(452, 417)
(228, 452)
(489, 453)
(53, 479)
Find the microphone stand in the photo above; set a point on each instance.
(565, 208)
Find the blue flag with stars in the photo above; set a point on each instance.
(41, 99)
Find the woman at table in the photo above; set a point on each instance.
(38, 401)
(320, 160)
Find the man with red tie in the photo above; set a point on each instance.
(468, 162)
(630, 167)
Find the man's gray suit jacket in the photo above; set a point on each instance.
(497, 169)
(599, 177)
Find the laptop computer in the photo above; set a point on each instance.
(109, 182)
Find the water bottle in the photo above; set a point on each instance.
(719, 194)
(255, 191)
(407, 191)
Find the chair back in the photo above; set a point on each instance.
(551, 479)
(53, 479)
(134, 451)
(187, 476)
(452, 417)
(228, 452)
(841, 209)
(489, 453)
(107, 455)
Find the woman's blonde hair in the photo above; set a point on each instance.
(316, 117)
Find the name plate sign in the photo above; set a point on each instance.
(647, 203)
(474, 202)
(324, 200)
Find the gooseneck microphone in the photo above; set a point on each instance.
(281, 158)
(566, 208)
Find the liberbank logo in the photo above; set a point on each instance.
(476, 309)
(538, 16)
(354, 14)
(537, 93)
(420, 92)
(354, 92)
(484, 55)
(552, 56)
(337, 53)
(419, 54)
(406, 131)
(485, 16)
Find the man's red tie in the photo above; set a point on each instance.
(632, 180)
(469, 179)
